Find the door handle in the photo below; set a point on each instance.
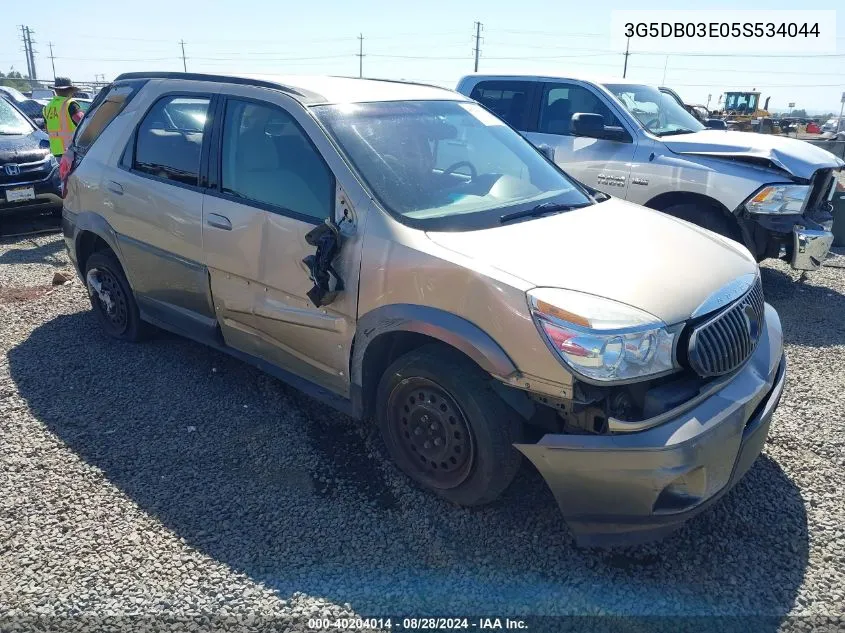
(115, 187)
(218, 221)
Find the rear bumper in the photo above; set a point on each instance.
(630, 488)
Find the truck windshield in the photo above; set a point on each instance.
(658, 113)
(446, 165)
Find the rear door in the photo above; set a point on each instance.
(156, 196)
(513, 100)
(271, 186)
(599, 163)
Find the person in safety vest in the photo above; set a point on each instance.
(62, 115)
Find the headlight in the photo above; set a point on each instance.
(779, 199)
(601, 339)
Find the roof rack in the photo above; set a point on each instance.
(206, 77)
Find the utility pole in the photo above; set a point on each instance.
(665, 66)
(26, 51)
(29, 33)
(52, 60)
(184, 63)
(625, 68)
(477, 48)
(360, 55)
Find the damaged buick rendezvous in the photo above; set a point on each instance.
(398, 251)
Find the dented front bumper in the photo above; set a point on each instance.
(810, 246)
(629, 488)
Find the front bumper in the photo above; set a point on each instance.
(48, 195)
(810, 247)
(630, 488)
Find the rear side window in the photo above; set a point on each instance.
(508, 99)
(268, 159)
(169, 140)
(109, 103)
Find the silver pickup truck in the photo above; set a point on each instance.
(629, 140)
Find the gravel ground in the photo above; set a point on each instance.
(170, 482)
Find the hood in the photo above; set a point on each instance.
(799, 158)
(28, 148)
(613, 249)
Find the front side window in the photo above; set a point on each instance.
(658, 113)
(268, 159)
(169, 139)
(561, 101)
(446, 165)
(12, 122)
(508, 99)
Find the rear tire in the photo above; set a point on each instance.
(112, 299)
(707, 217)
(445, 426)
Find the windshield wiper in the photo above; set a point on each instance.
(682, 130)
(540, 209)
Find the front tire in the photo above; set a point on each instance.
(707, 217)
(445, 426)
(112, 299)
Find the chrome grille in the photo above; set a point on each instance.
(725, 341)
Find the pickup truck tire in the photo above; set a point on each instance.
(112, 299)
(445, 426)
(708, 217)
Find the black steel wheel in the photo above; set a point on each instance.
(445, 426)
(111, 297)
(428, 425)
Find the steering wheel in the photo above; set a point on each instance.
(654, 121)
(461, 163)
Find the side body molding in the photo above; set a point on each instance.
(439, 324)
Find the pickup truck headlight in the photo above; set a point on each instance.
(785, 199)
(601, 339)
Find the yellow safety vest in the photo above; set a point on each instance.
(60, 126)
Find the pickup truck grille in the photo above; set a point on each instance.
(820, 187)
(725, 341)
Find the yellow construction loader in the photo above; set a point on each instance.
(742, 112)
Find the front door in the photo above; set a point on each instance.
(271, 187)
(599, 163)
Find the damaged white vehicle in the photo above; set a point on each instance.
(772, 194)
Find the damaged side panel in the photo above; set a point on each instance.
(261, 293)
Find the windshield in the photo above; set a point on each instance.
(14, 93)
(12, 121)
(741, 101)
(657, 112)
(446, 165)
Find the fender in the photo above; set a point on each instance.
(439, 324)
(74, 224)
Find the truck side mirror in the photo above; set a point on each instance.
(592, 126)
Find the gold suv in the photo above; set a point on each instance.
(400, 252)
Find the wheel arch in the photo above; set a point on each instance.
(93, 232)
(387, 332)
(669, 199)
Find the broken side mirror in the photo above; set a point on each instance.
(327, 282)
